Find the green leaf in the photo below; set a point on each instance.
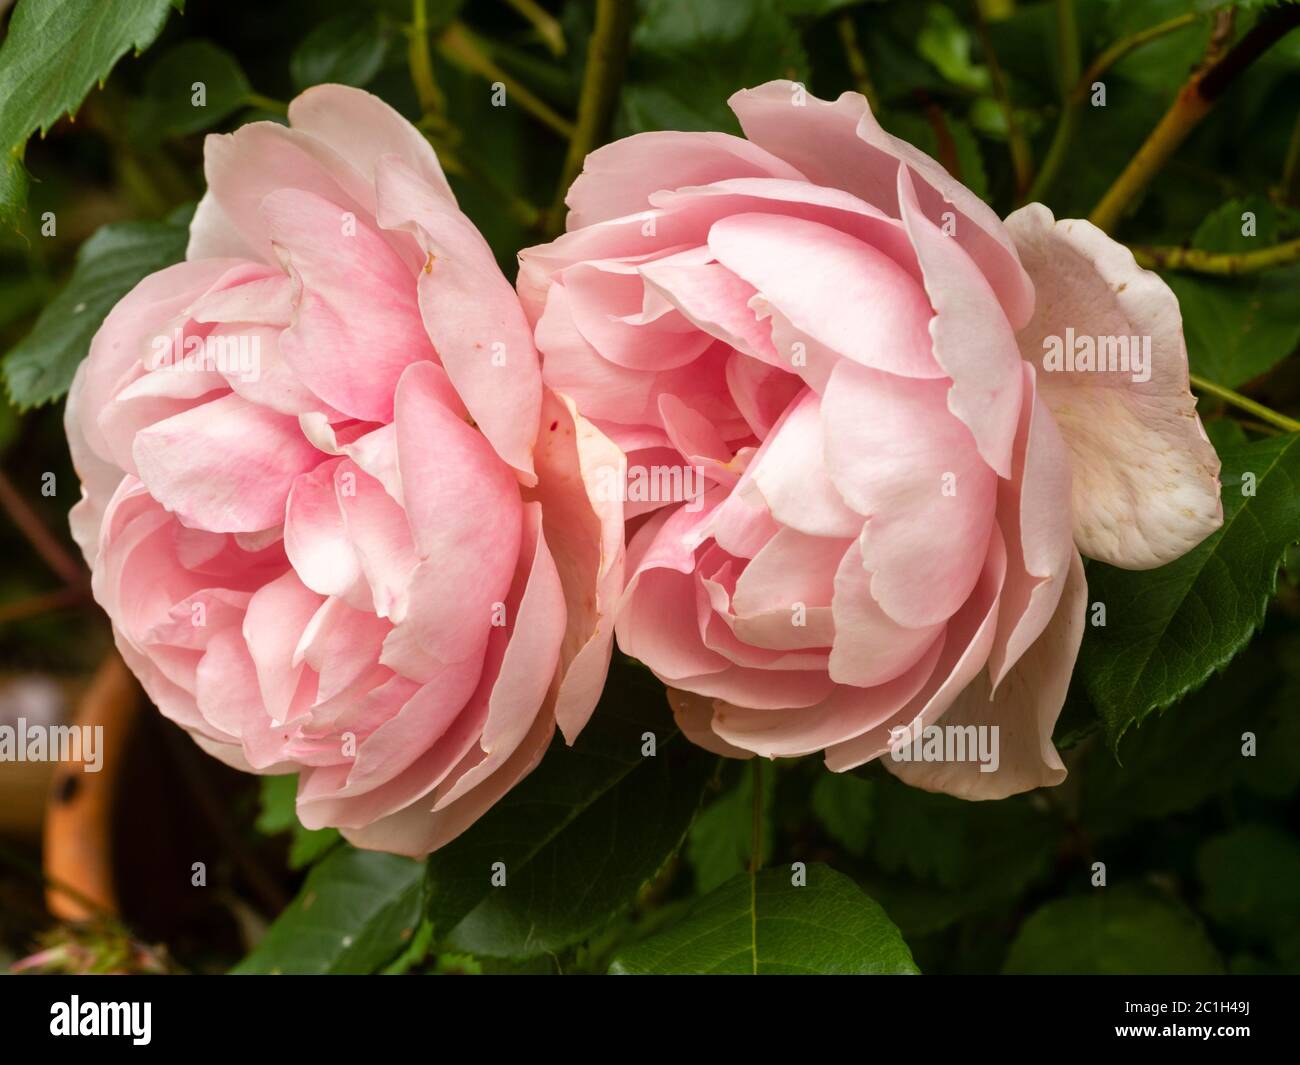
(1168, 630)
(357, 911)
(765, 925)
(1225, 432)
(579, 837)
(946, 43)
(347, 49)
(1239, 225)
(1160, 65)
(722, 836)
(54, 53)
(1252, 882)
(39, 367)
(845, 805)
(278, 815)
(1238, 328)
(688, 58)
(951, 842)
(168, 107)
(941, 858)
(1177, 761)
(1113, 931)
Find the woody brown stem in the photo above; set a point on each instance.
(56, 556)
(1194, 101)
(606, 55)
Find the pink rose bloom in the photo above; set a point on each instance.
(867, 373)
(338, 524)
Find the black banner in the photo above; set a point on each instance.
(353, 1014)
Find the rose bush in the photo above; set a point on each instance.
(900, 469)
(338, 524)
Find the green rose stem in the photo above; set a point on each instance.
(1288, 189)
(1236, 399)
(462, 48)
(454, 155)
(857, 61)
(461, 160)
(1222, 264)
(1068, 121)
(1022, 160)
(547, 26)
(606, 56)
(266, 103)
(427, 92)
(1193, 102)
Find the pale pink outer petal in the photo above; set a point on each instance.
(680, 218)
(1146, 478)
(99, 477)
(509, 719)
(897, 456)
(225, 466)
(583, 522)
(315, 538)
(842, 292)
(843, 715)
(416, 830)
(125, 342)
(1024, 709)
(232, 754)
(471, 314)
(965, 652)
(619, 178)
(357, 324)
(150, 398)
(257, 159)
(715, 300)
(660, 593)
(973, 340)
(463, 506)
(277, 615)
(789, 475)
(214, 236)
(362, 129)
(832, 206)
(1034, 515)
(694, 716)
(870, 648)
(841, 144)
(525, 685)
(381, 538)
